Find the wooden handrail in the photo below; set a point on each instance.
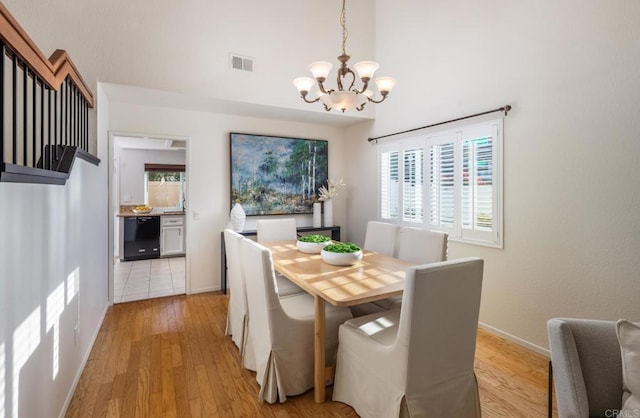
(52, 70)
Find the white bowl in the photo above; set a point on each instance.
(311, 247)
(341, 259)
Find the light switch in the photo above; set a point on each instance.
(196, 215)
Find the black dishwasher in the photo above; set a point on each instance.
(141, 237)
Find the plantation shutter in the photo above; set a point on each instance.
(479, 196)
(412, 195)
(442, 196)
(389, 176)
(449, 182)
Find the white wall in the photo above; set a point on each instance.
(208, 161)
(131, 163)
(53, 278)
(571, 154)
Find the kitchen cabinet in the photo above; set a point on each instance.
(172, 240)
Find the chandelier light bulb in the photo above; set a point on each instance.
(385, 84)
(320, 69)
(366, 69)
(304, 84)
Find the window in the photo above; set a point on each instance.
(402, 202)
(412, 208)
(164, 185)
(389, 185)
(451, 182)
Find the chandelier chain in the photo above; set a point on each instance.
(343, 22)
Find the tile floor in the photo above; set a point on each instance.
(146, 279)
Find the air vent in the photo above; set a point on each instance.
(241, 63)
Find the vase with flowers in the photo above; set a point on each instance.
(326, 195)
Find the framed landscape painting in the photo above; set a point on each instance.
(273, 175)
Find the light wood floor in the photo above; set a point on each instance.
(169, 357)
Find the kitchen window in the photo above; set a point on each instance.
(448, 181)
(164, 186)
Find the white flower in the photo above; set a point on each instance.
(330, 192)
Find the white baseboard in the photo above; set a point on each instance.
(83, 364)
(193, 291)
(517, 340)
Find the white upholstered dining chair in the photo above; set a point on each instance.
(282, 330)
(279, 230)
(418, 360)
(415, 245)
(238, 309)
(276, 229)
(419, 246)
(381, 237)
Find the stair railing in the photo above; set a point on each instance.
(44, 109)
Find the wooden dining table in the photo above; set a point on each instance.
(375, 277)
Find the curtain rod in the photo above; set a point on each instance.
(505, 109)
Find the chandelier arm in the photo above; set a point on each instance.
(321, 85)
(339, 78)
(365, 85)
(344, 74)
(361, 107)
(327, 108)
(384, 96)
(304, 97)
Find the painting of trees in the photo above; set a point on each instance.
(276, 175)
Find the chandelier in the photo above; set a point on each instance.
(351, 97)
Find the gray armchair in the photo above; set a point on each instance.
(587, 367)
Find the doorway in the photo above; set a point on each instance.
(148, 185)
